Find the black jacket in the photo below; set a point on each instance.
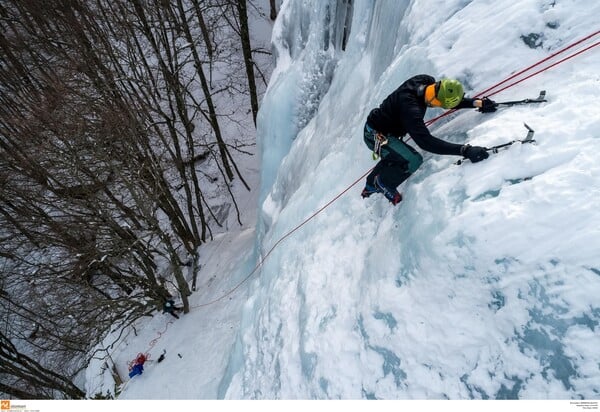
(403, 111)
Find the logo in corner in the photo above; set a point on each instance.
(4, 405)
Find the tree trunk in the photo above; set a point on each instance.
(247, 51)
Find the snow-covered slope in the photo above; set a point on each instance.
(484, 281)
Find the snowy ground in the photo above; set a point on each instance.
(482, 284)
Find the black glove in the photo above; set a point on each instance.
(474, 153)
(487, 105)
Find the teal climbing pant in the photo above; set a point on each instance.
(394, 150)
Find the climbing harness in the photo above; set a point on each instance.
(380, 140)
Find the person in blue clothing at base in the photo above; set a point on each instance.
(402, 113)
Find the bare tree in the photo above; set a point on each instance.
(247, 51)
(273, 8)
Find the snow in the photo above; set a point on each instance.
(482, 284)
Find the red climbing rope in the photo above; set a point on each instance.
(140, 358)
(160, 335)
(288, 234)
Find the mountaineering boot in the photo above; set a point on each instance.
(368, 190)
(392, 195)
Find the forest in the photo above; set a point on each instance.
(120, 131)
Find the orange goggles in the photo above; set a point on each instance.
(430, 96)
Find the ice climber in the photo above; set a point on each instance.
(402, 113)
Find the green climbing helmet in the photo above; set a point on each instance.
(450, 93)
